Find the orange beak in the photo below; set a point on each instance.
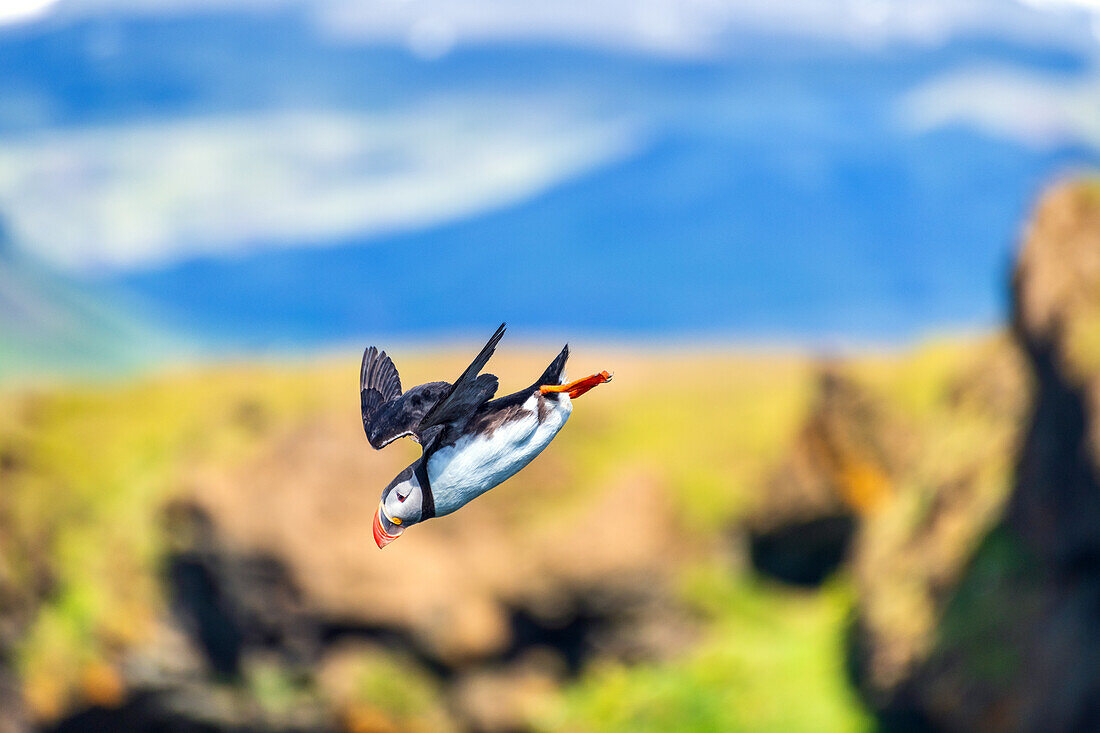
(381, 536)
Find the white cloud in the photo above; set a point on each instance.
(670, 27)
(18, 11)
(1039, 110)
(139, 194)
(702, 27)
(1091, 8)
(1091, 5)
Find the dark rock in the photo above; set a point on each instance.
(1056, 504)
(806, 552)
(838, 468)
(200, 710)
(229, 600)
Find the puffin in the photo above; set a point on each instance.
(469, 441)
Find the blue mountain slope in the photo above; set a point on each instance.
(52, 326)
(698, 237)
(771, 193)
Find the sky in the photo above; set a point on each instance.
(256, 174)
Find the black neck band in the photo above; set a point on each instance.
(427, 506)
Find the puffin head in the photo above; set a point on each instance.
(402, 506)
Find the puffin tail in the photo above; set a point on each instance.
(551, 380)
(556, 370)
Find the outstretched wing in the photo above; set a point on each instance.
(379, 383)
(388, 414)
(468, 393)
(401, 417)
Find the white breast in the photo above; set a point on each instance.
(475, 464)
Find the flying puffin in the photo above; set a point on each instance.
(470, 441)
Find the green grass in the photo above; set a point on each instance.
(99, 462)
(708, 429)
(771, 659)
(97, 465)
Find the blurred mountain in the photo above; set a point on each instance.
(265, 181)
(50, 324)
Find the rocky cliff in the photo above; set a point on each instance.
(979, 605)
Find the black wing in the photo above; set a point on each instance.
(468, 393)
(379, 383)
(400, 417)
(387, 413)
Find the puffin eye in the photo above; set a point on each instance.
(401, 498)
